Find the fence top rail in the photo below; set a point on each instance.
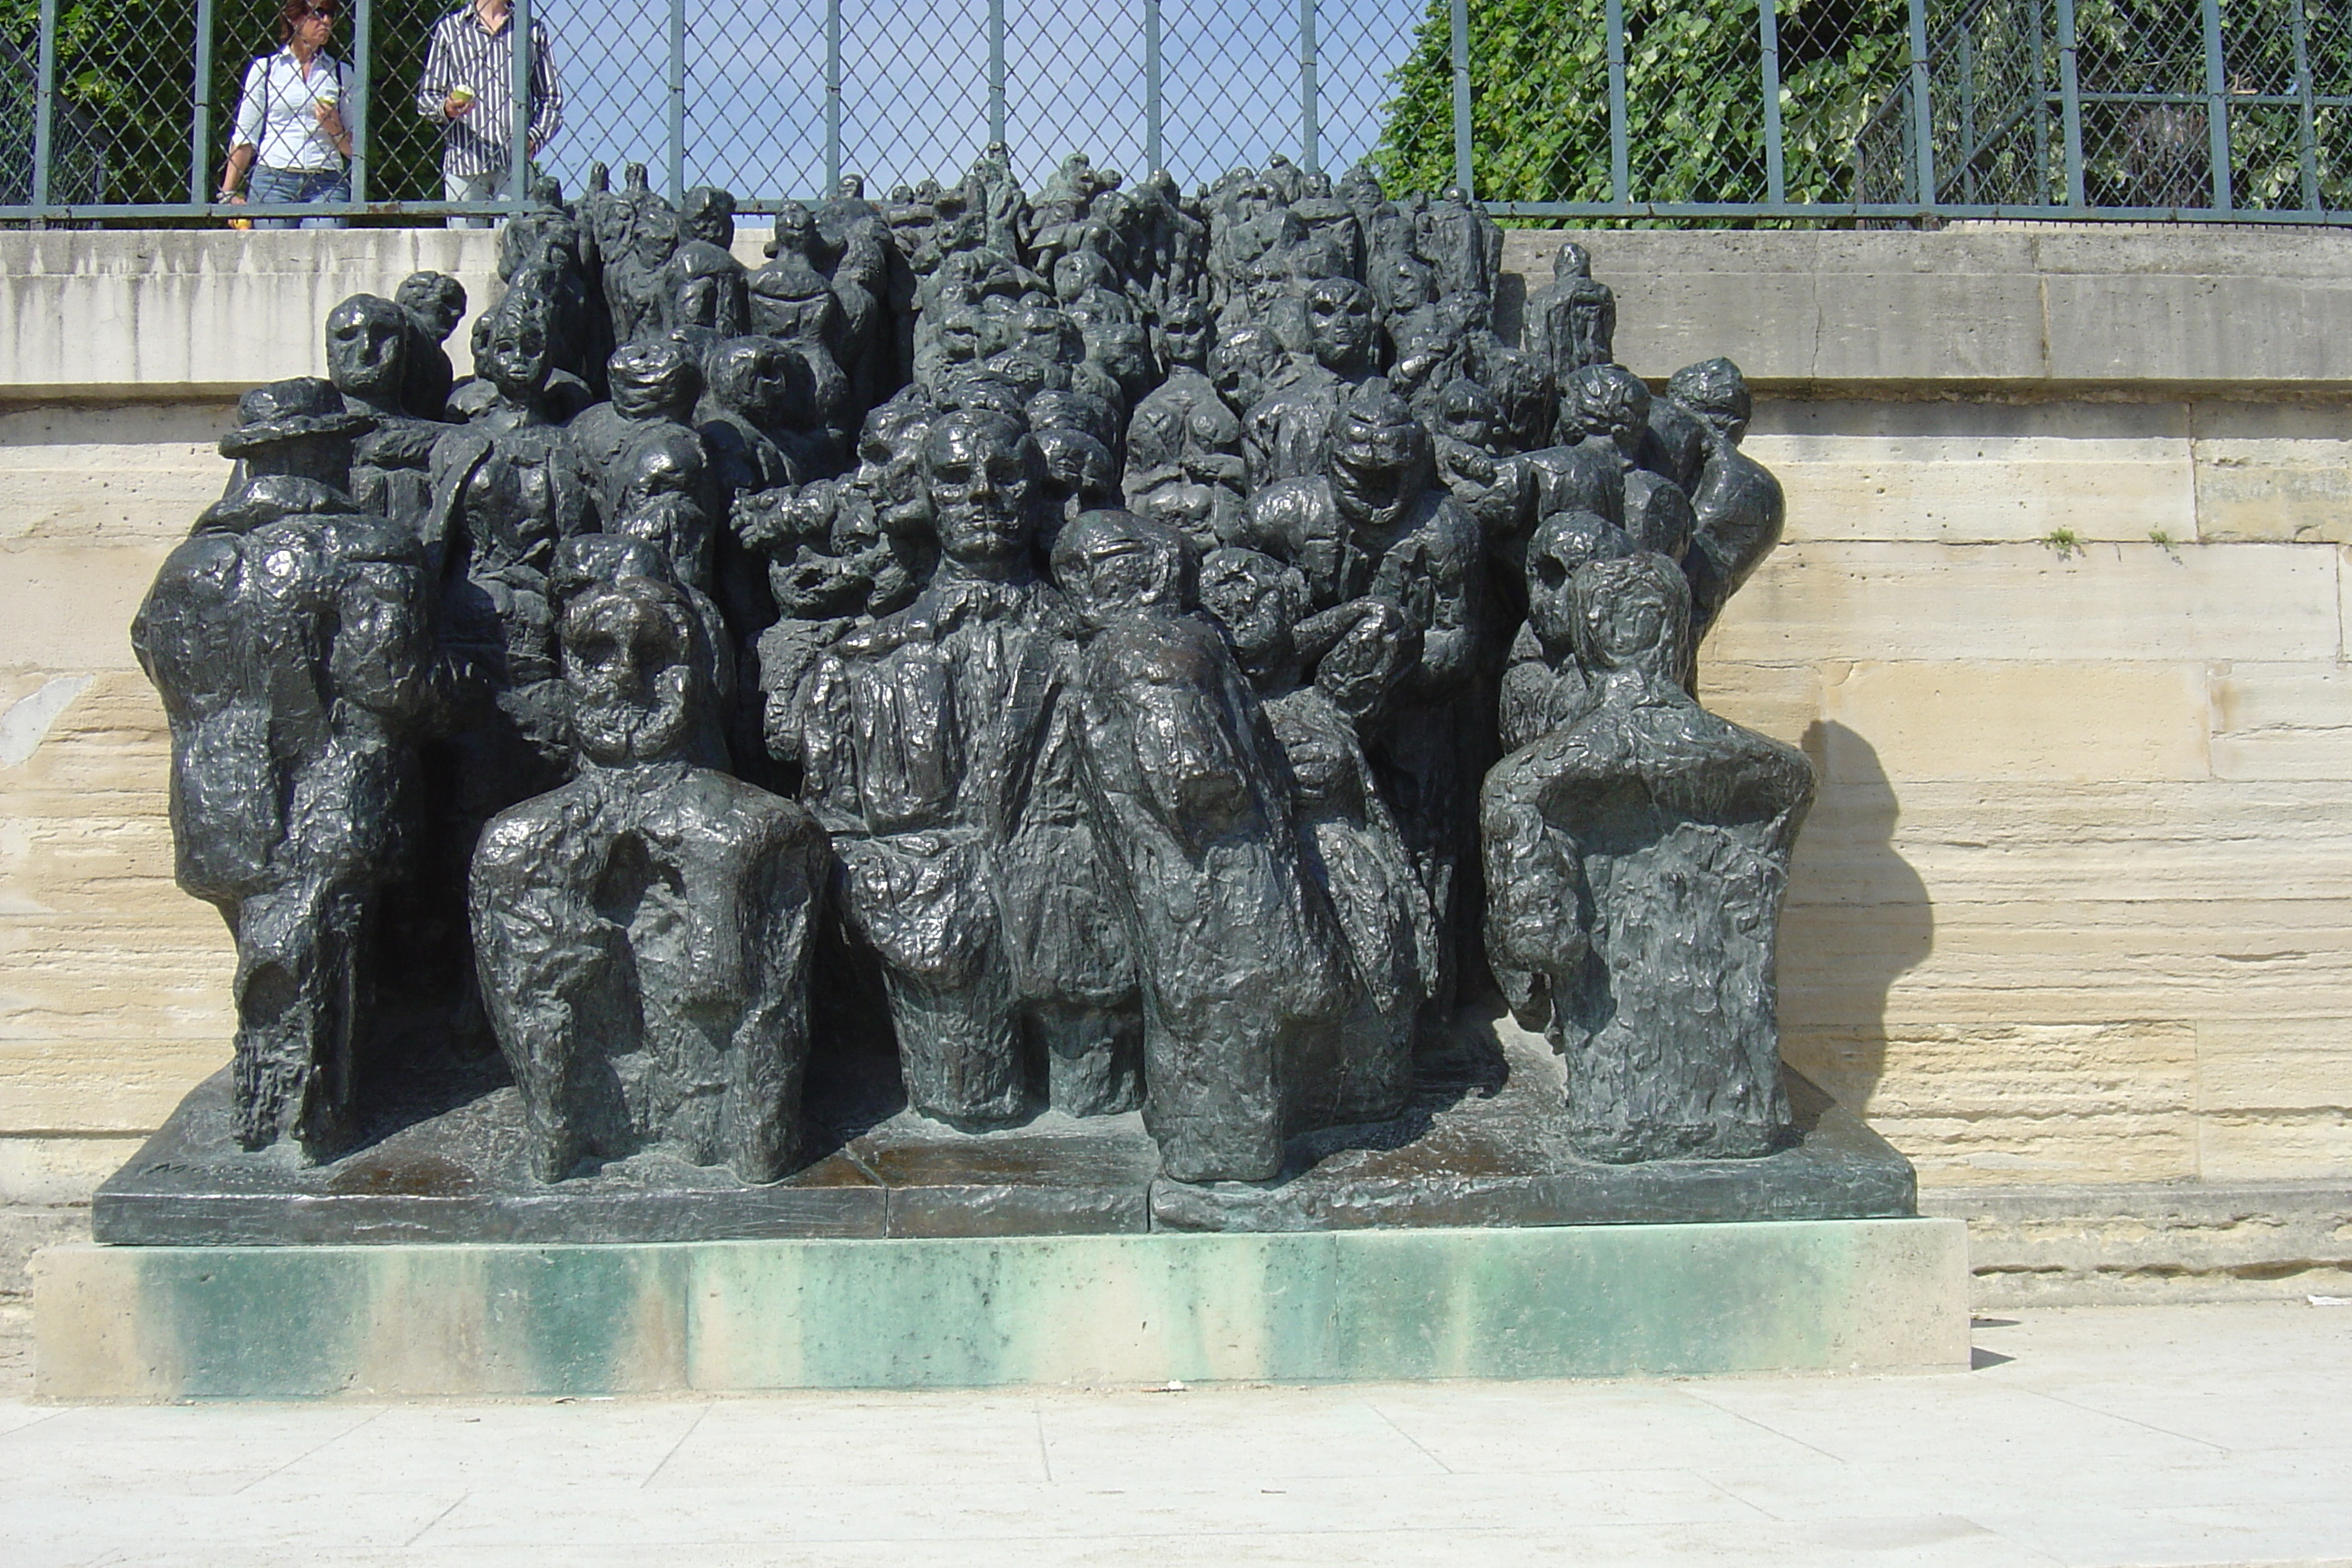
(773, 104)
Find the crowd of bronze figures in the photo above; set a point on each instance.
(1127, 650)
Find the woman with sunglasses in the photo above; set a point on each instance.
(289, 126)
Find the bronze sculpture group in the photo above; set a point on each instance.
(1130, 651)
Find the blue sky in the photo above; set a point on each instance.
(914, 86)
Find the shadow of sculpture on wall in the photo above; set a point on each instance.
(1869, 914)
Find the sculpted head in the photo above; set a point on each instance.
(1468, 413)
(708, 215)
(1184, 333)
(1563, 545)
(1258, 600)
(1078, 271)
(628, 660)
(1402, 283)
(1380, 452)
(1632, 612)
(654, 378)
(1339, 324)
(890, 464)
(751, 378)
(297, 428)
(1715, 391)
(653, 231)
(1242, 362)
(435, 301)
(1570, 260)
(367, 348)
(1114, 566)
(1609, 401)
(515, 346)
(795, 231)
(982, 468)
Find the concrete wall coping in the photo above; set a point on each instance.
(2132, 310)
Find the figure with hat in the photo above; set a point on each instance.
(290, 637)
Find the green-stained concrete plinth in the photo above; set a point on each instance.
(159, 1322)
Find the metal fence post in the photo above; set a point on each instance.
(519, 153)
(1967, 116)
(2306, 130)
(832, 96)
(996, 73)
(1461, 29)
(199, 124)
(1768, 38)
(45, 105)
(2217, 107)
(1923, 110)
(2041, 105)
(363, 74)
(1310, 138)
(1621, 178)
(2070, 101)
(1151, 85)
(677, 100)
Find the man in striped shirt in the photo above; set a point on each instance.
(468, 89)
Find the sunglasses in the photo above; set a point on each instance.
(322, 13)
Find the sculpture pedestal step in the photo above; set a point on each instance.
(168, 1322)
(1487, 1150)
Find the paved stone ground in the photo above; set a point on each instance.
(2200, 1435)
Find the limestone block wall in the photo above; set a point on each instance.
(2060, 615)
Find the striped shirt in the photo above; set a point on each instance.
(277, 117)
(464, 54)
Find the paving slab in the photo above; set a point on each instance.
(2096, 1437)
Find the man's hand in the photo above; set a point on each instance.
(456, 108)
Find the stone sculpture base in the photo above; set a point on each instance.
(1559, 1301)
(1484, 1149)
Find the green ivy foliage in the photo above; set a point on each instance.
(1694, 112)
(1694, 89)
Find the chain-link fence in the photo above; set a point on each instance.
(1728, 111)
(2190, 109)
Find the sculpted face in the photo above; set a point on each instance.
(653, 235)
(708, 217)
(1563, 545)
(436, 300)
(752, 377)
(1610, 401)
(1116, 565)
(1256, 599)
(514, 347)
(891, 469)
(980, 467)
(1402, 284)
(796, 230)
(1632, 613)
(652, 379)
(1241, 363)
(367, 347)
(1379, 455)
(1185, 334)
(628, 652)
(1716, 392)
(1340, 323)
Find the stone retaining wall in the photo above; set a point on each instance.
(2061, 615)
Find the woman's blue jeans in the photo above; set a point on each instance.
(273, 187)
